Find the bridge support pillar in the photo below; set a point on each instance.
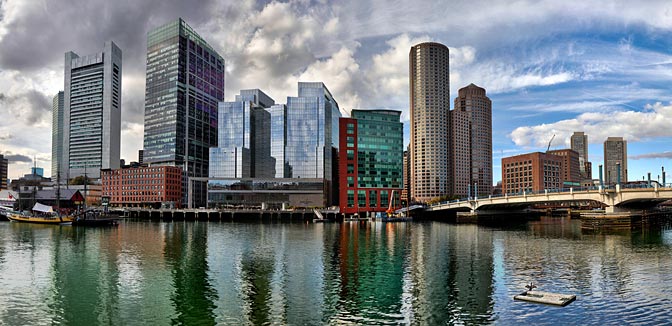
(615, 210)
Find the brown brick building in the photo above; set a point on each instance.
(571, 168)
(140, 186)
(531, 172)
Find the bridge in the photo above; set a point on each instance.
(615, 199)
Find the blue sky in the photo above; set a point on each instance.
(602, 67)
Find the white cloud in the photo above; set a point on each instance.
(633, 126)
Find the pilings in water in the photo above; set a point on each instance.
(227, 215)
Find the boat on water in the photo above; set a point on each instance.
(95, 218)
(40, 214)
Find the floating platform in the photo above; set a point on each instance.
(555, 299)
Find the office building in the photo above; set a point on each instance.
(579, 143)
(405, 193)
(533, 172)
(92, 117)
(4, 164)
(184, 83)
(272, 155)
(571, 170)
(370, 161)
(143, 186)
(244, 141)
(615, 160)
(57, 127)
(471, 149)
(429, 82)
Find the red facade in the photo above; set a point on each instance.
(348, 176)
(142, 186)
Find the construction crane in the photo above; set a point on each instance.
(549, 143)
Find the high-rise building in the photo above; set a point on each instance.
(571, 171)
(615, 158)
(430, 121)
(185, 81)
(244, 142)
(92, 117)
(531, 173)
(312, 134)
(4, 163)
(579, 143)
(405, 194)
(370, 161)
(275, 155)
(471, 149)
(57, 127)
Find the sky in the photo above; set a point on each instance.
(549, 67)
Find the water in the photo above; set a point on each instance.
(199, 273)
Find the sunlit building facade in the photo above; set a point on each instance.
(92, 112)
(579, 143)
(57, 127)
(430, 121)
(184, 83)
(142, 186)
(531, 172)
(370, 161)
(615, 160)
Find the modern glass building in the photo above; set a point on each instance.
(92, 117)
(57, 136)
(243, 149)
(371, 161)
(185, 81)
(275, 154)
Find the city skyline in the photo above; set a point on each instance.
(560, 69)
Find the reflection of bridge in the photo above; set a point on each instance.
(614, 199)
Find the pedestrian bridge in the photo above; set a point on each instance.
(614, 199)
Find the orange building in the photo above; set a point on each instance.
(531, 172)
(142, 186)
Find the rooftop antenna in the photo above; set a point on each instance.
(549, 143)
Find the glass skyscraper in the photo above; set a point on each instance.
(57, 136)
(275, 154)
(92, 117)
(185, 81)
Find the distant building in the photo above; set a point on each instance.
(57, 130)
(141, 155)
(615, 158)
(531, 172)
(4, 164)
(142, 186)
(429, 82)
(405, 193)
(370, 161)
(37, 171)
(471, 142)
(579, 143)
(571, 171)
(184, 83)
(92, 117)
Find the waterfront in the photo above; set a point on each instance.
(162, 273)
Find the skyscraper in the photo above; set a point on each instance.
(430, 120)
(57, 136)
(615, 157)
(471, 142)
(243, 149)
(185, 81)
(579, 143)
(92, 117)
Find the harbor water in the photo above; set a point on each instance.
(363, 273)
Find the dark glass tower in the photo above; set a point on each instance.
(185, 81)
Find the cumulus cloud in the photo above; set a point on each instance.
(18, 158)
(633, 126)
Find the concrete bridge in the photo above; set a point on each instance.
(615, 199)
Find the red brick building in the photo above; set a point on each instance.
(531, 172)
(370, 161)
(571, 169)
(142, 186)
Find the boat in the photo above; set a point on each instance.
(392, 215)
(40, 214)
(95, 218)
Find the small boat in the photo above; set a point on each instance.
(94, 218)
(556, 299)
(41, 214)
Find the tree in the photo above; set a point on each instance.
(79, 180)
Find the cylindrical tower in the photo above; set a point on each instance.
(430, 121)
